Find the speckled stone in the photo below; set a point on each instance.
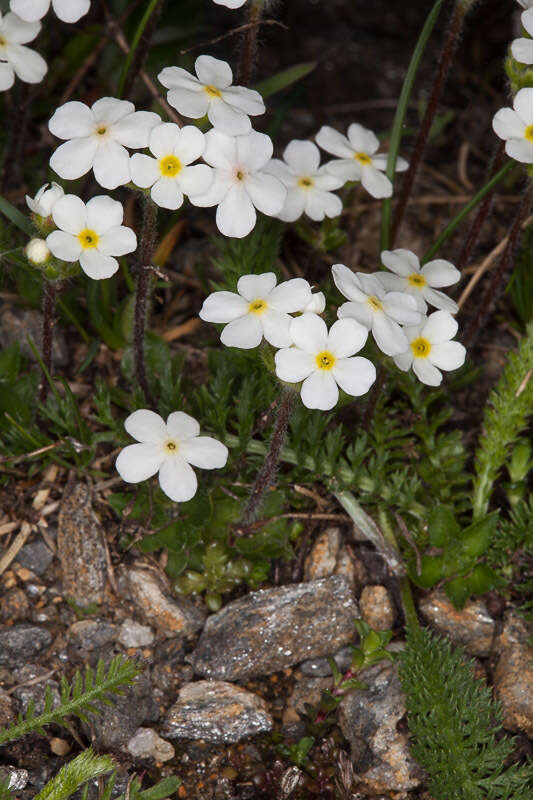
(146, 743)
(513, 676)
(369, 720)
(217, 712)
(20, 642)
(376, 607)
(14, 605)
(133, 634)
(472, 627)
(81, 547)
(91, 634)
(172, 616)
(320, 668)
(321, 561)
(271, 629)
(35, 556)
(306, 690)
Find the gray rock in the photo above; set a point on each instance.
(16, 325)
(171, 615)
(306, 690)
(133, 634)
(472, 627)
(14, 605)
(513, 676)
(7, 715)
(17, 778)
(36, 557)
(369, 720)
(376, 607)
(91, 634)
(81, 547)
(117, 723)
(322, 560)
(35, 692)
(20, 642)
(217, 712)
(271, 629)
(145, 743)
(320, 668)
(351, 568)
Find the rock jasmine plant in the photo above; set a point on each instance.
(293, 387)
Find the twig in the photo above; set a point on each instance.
(18, 542)
(238, 29)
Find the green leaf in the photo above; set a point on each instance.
(483, 579)
(285, 78)
(432, 569)
(85, 767)
(15, 216)
(442, 526)
(458, 590)
(477, 537)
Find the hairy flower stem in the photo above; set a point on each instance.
(266, 474)
(497, 284)
(445, 60)
(467, 249)
(49, 305)
(248, 53)
(373, 398)
(148, 238)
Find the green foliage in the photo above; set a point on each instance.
(455, 725)
(454, 556)
(164, 788)
(5, 791)
(520, 286)
(85, 767)
(506, 415)
(77, 698)
(255, 253)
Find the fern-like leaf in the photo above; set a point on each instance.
(77, 698)
(85, 767)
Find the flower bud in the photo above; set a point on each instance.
(37, 252)
(45, 199)
(317, 304)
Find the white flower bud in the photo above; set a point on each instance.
(37, 252)
(45, 199)
(317, 304)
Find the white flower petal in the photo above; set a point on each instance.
(71, 10)
(109, 110)
(213, 71)
(346, 337)
(294, 205)
(111, 165)
(290, 296)
(204, 452)
(245, 332)
(402, 308)
(426, 372)
(144, 170)
(254, 150)
(175, 77)
(310, 333)
(70, 214)
(7, 76)
(355, 376)
(293, 365)
(267, 193)
(345, 169)
(388, 335)
(220, 150)
(104, 213)
(334, 142)
(359, 311)
(64, 245)
(28, 65)
(182, 426)
(322, 204)
(402, 262)
(75, 158)
(196, 180)
(236, 214)
(320, 391)
(146, 426)
(17, 30)
(96, 265)
(520, 149)
(438, 300)
(522, 50)
(165, 137)
(253, 286)
(375, 182)
(166, 193)
(440, 273)
(439, 327)
(29, 10)
(118, 241)
(223, 307)
(276, 328)
(228, 119)
(448, 355)
(190, 144)
(137, 462)
(404, 361)
(302, 157)
(247, 100)
(523, 105)
(348, 283)
(177, 479)
(362, 139)
(190, 103)
(134, 130)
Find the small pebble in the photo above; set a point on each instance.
(59, 747)
(376, 608)
(133, 634)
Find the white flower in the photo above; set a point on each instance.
(522, 49)
(317, 304)
(91, 234)
(356, 158)
(240, 184)
(380, 311)
(37, 252)
(211, 93)
(169, 449)
(516, 127)
(98, 137)
(67, 10)
(45, 199)
(237, 3)
(259, 309)
(420, 282)
(431, 350)
(523, 3)
(308, 184)
(323, 361)
(15, 59)
(169, 173)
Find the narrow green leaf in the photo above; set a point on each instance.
(284, 79)
(16, 217)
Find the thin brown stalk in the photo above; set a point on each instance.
(248, 54)
(49, 304)
(142, 295)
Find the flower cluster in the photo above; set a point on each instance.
(391, 305)
(15, 58)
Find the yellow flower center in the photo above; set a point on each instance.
(171, 447)
(239, 175)
(102, 130)
(363, 158)
(306, 183)
(257, 306)
(374, 303)
(421, 347)
(417, 280)
(528, 133)
(325, 360)
(3, 41)
(212, 91)
(170, 166)
(88, 239)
